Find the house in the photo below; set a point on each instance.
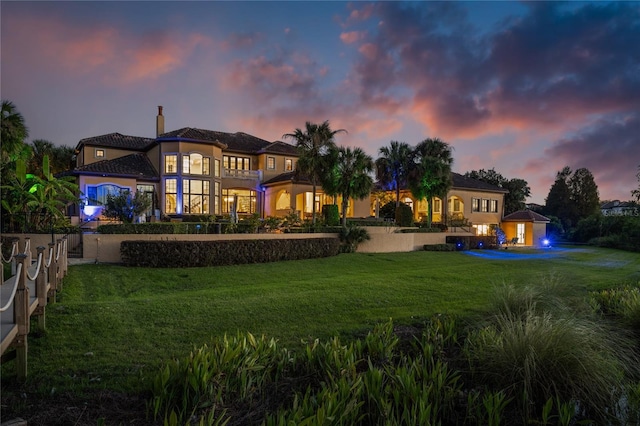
(470, 201)
(619, 208)
(194, 171)
(526, 227)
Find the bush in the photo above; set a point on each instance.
(178, 254)
(404, 215)
(473, 242)
(351, 236)
(388, 211)
(440, 247)
(330, 214)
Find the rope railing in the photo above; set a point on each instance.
(14, 249)
(37, 271)
(15, 279)
(48, 262)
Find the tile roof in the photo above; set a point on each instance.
(117, 140)
(292, 177)
(463, 182)
(239, 142)
(526, 216)
(133, 165)
(279, 147)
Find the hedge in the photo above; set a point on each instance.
(473, 242)
(176, 254)
(440, 247)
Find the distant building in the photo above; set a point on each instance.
(619, 208)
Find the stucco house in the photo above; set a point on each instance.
(619, 208)
(196, 171)
(526, 227)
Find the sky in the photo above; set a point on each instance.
(524, 88)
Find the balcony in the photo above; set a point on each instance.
(242, 174)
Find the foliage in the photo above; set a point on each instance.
(430, 174)
(558, 202)
(181, 254)
(313, 144)
(351, 236)
(572, 197)
(534, 352)
(330, 214)
(272, 223)
(584, 193)
(125, 206)
(388, 210)
(621, 232)
(439, 247)
(393, 165)
(403, 215)
(501, 237)
(61, 157)
(14, 132)
(623, 302)
(636, 192)
(518, 189)
(348, 176)
(473, 242)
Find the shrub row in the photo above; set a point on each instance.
(440, 247)
(473, 242)
(419, 230)
(177, 228)
(173, 254)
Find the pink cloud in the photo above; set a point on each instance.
(352, 36)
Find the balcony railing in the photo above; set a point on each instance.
(242, 174)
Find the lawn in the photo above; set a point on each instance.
(112, 324)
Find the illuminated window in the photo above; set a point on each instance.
(437, 205)
(195, 164)
(482, 229)
(97, 195)
(494, 206)
(271, 163)
(195, 196)
(246, 200)
(236, 163)
(100, 153)
(216, 169)
(475, 204)
(283, 202)
(171, 163)
(216, 197)
(170, 195)
(484, 206)
(288, 164)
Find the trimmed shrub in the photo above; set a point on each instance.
(351, 236)
(473, 242)
(177, 254)
(330, 214)
(440, 247)
(404, 215)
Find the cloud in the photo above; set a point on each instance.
(352, 36)
(103, 54)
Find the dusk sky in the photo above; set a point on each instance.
(525, 88)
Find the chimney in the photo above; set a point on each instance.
(159, 122)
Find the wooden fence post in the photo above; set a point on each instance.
(41, 291)
(21, 318)
(51, 274)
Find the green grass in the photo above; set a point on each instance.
(113, 323)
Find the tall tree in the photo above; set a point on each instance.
(392, 167)
(60, 157)
(558, 202)
(313, 144)
(584, 194)
(14, 129)
(636, 192)
(518, 189)
(430, 174)
(349, 176)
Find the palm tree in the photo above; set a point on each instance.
(14, 131)
(392, 167)
(313, 144)
(60, 157)
(349, 176)
(430, 174)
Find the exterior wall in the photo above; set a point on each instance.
(385, 240)
(539, 233)
(280, 165)
(534, 232)
(88, 154)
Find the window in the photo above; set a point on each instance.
(288, 164)
(494, 206)
(236, 163)
(171, 163)
(246, 200)
(170, 195)
(475, 205)
(195, 164)
(437, 205)
(97, 195)
(484, 206)
(216, 196)
(456, 205)
(482, 229)
(99, 153)
(149, 191)
(216, 168)
(271, 163)
(195, 196)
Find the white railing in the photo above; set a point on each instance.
(242, 174)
